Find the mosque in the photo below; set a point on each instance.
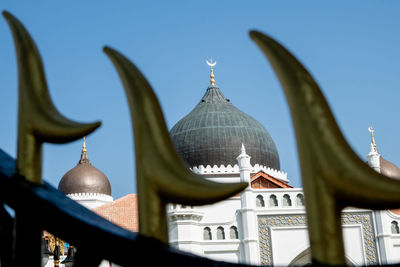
(263, 225)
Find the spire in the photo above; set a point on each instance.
(243, 150)
(243, 159)
(373, 144)
(84, 145)
(84, 156)
(211, 64)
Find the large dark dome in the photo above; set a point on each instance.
(84, 178)
(214, 131)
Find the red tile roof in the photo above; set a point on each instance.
(261, 180)
(396, 211)
(122, 211)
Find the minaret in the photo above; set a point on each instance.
(373, 156)
(248, 217)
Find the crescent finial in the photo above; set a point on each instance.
(371, 130)
(211, 63)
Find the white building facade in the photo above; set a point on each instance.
(269, 227)
(266, 224)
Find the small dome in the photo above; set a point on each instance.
(214, 131)
(389, 169)
(84, 178)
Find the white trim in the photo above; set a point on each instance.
(91, 196)
(222, 169)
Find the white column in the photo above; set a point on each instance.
(248, 217)
(184, 230)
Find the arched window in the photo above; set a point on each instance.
(207, 234)
(183, 207)
(220, 233)
(174, 206)
(273, 201)
(233, 233)
(395, 228)
(300, 200)
(286, 200)
(260, 201)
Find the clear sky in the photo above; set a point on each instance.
(350, 47)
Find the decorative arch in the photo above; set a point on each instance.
(395, 227)
(300, 200)
(233, 232)
(273, 201)
(304, 259)
(207, 233)
(287, 201)
(220, 233)
(260, 201)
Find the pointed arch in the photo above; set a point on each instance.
(287, 201)
(207, 233)
(260, 201)
(220, 233)
(300, 200)
(395, 227)
(304, 259)
(273, 201)
(233, 232)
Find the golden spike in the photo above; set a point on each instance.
(84, 145)
(38, 119)
(161, 175)
(212, 81)
(333, 175)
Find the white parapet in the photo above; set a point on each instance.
(91, 200)
(222, 169)
(97, 196)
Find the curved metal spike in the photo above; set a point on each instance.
(38, 119)
(162, 176)
(333, 175)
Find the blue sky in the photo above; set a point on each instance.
(351, 48)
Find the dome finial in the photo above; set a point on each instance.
(84, 156)
(84, 145)
(243, 149)
(211, 64)
(373, 144)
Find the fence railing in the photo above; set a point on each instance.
(333, 176)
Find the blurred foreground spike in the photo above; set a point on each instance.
(333, 175)
(161, 177)
(38, 119)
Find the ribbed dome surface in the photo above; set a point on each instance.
(213, 132)
(84, 178)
